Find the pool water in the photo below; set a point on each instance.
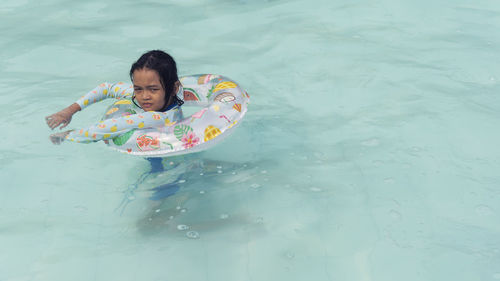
(370, 150)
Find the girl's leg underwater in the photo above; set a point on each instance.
(156, 165)
(164, 190)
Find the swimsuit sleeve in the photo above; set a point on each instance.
(105, 91)
(110, 128)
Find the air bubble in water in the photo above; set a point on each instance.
(394, 214)
(182, 181)
(182, 227)
(483, 210)
(81, 208)
(389, 180)
(255, 185)
(371, 142)
(157, 210)
(192, 234)
(224, 216)
(202, 191)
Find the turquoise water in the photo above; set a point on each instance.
(370, 150)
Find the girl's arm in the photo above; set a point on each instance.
(101, 92)
(62, 117)
(110, 128)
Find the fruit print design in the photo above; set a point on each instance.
(224, 85)
(112, 110)
(190, 95)
(148, 142)
(123, 102)
(225, 97)
(169, 123)
(237, 107)
(221, 86)
(204, 79)
(211, 132)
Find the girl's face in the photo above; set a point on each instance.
(148, 90)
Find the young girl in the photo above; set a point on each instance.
(155, 88)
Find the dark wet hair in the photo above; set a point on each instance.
(166, 68)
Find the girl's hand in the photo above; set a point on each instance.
(58, 138)
(62, 117)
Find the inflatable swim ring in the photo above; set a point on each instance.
(223, 104)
